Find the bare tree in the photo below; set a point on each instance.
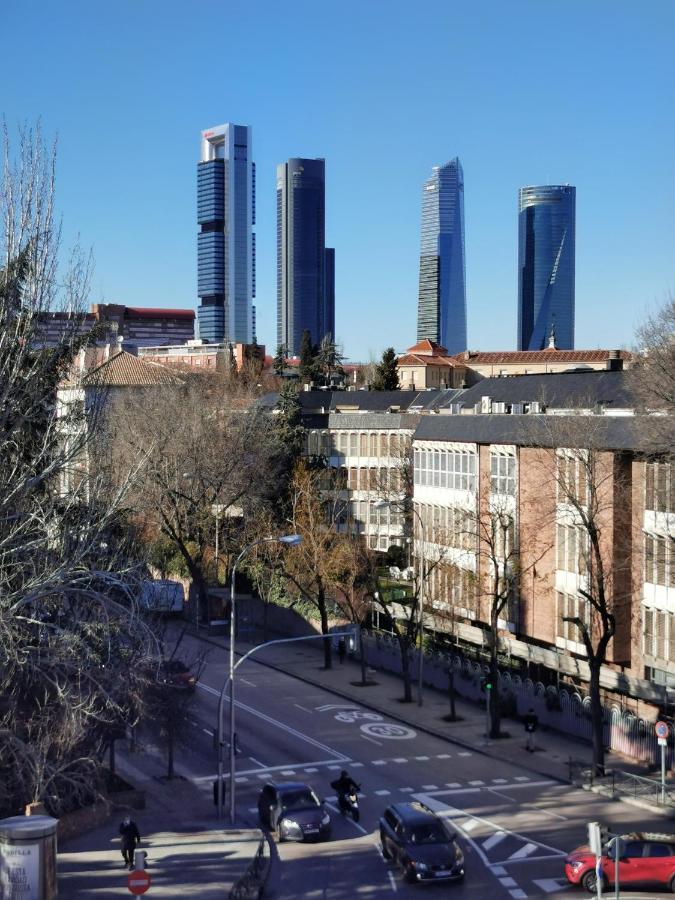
(652, 377)
(70, 634)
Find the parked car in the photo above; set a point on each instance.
(294, 811)
(421, 843)
(647, 861)
(176, 672)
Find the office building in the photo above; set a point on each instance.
(546, 248)
(226, 242)
(305, 268)
(441, 311)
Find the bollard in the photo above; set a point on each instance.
(28, 857)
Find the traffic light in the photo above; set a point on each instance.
(486, 684)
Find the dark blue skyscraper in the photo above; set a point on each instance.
(546, 247)
(441, 310)
(305, 267)
(226, 243)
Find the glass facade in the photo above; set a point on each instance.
(225, 243)
(441, 311)
(305, 268)
(546, 250)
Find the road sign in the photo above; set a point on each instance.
(138, 882)
(662, 730)
(663, 742)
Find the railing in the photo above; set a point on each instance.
(625, 784)
(252, 883)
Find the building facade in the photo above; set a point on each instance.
(546, 261)
(441, 310)
(305, 267)
(226, 241)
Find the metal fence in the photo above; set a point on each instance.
(560, 708)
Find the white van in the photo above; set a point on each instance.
(162, 596)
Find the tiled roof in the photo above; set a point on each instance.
(427, 347)
(411, 359)
(537, 356)
(554, 390)
(126, 370)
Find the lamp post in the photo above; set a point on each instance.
(384, 504)
(291, 540)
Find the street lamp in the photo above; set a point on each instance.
(290, 540)
(386, 504)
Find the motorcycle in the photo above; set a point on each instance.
(349, 804)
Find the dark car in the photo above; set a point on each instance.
(421, 843)
(293, 810)
(646, 861)
(176, 672)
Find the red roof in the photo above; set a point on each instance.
(411, 359)
(537, 356)
(428, 348)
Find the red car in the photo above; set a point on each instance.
(647, 861)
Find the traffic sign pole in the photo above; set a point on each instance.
(662, 731)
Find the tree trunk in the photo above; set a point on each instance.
(493, 696)
(597, 734)
(327, 648)
(362, 656)
(266, 607)
(451, 693)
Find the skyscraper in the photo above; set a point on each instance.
(441, 310)
(546, 247)
(305, 267)
(226, 243)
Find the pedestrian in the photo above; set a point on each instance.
(531, 722)
(131, 839)
(342, 650)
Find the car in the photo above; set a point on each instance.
(421, 843)
(294, 811)
(647, 860)
(177, 673)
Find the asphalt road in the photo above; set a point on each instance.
(513, 825)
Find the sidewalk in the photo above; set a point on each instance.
(190, 854)
(552, 749)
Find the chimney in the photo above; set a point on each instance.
(614, 361)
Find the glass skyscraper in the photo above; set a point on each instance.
(546, 248)
(226, 242)
(305, 267)
(441, 310)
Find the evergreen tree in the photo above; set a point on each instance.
(279, 362)
(386, 374)
(308, 367)
(328, 358)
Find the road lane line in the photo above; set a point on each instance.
(304, 709)
(499, 794)
(198, 779)
(527, 850)
(508, 882)
(245, 681)
(372, 740)
(392, 881)
(206, 731)
(282, 725)
(256, 762)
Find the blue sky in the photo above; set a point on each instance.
(524, 92)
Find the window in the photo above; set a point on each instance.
(658, 633)
(659, 560)
(572, 477)
(660, 486)
(502, 474)
(454, 469)
(363, 444)
(384, 445)
(373, 445)
(572, 548)
(572, 606)
(353, 449)
(342, 442)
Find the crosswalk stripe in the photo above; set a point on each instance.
(382, 793)
(429, 787)
(493, 840)
(524, 851)
(443, 756)
(550, 885)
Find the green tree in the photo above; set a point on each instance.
(386, 372)
(328, 358)
(279, 362)
(308, 361)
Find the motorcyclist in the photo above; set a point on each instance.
(344, 786)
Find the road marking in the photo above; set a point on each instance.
(549, 885)
(508, 882)
(304, 709)
(338, 813)
(309, 771)
(522, 778)
(470, 825)
(271, 721)
(288, 771)
(399, 759)
(527, 850)
(357, 765)
(206, 731)
(383, 793)
(493, 840)
(241, 779)
(262, 776)
(499, 794)
(372, 740)
(406, 790)
(546, 812)
(500, 781)
(328, 706)
(282, 768)
(388, 730)
(429, 787)
(465, 753)
(476, 783)
(498, 870)
(335, 768)
(392, 881)
(422, 758)
(377, 762)
(257, 762)
(443, 756)
(452, 784)
(517, 894)
(245, 681)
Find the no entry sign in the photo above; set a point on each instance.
(138, 882)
